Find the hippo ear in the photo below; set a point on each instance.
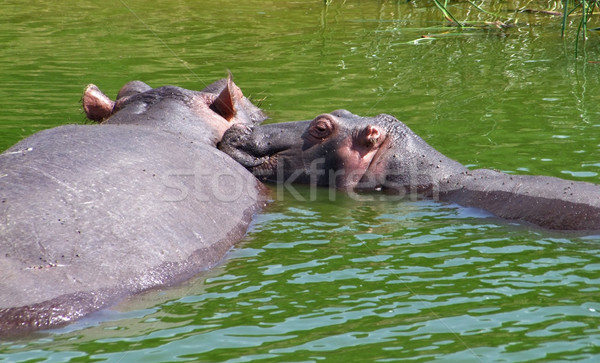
(224, 104)
(370, 136)
(133, 88)
(97, 105)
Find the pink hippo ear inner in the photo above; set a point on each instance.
(224, 104)
(370, 135)
(97, 105)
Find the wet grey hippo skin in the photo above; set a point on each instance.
(92, 213)
(381, 153)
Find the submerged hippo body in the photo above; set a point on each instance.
(381, 153)
(92, 213)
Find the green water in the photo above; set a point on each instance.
(340, 280)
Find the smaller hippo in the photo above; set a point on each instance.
(381, 153)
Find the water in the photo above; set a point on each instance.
(340, 280)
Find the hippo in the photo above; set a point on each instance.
(93, 213)
(382, 154)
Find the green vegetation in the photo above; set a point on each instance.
(574, 13)
(583, 7)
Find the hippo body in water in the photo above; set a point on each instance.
(381, 153)
(90, 214)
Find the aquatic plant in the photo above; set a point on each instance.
(584, 9)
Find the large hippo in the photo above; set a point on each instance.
(381, 153)
(92, 213)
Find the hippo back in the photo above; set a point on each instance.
(91, 213)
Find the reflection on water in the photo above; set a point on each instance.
(342, 280)
(396, 280)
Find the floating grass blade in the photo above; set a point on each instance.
(447, 13)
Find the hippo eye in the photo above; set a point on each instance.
(321, 127)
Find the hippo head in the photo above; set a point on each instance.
(340, 149)
(202, 114)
